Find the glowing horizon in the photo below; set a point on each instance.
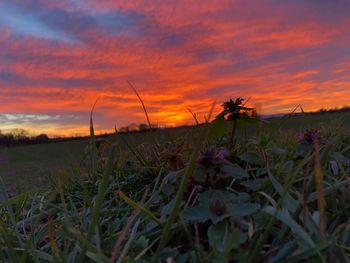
(58, 57)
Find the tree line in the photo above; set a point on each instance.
(343, 109)
(134, 127)
(20, 137)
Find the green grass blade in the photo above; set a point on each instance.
(306, 254)
(93, 148)
(287, 219)
(99, 199)
(143, 210)
(179, 196)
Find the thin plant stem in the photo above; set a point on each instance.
(233, 133)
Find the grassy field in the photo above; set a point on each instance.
(33, 163)
(30, 165)
(233, 190)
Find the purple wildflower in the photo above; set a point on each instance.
(218, 207)
(213, 156)
(221, 155)
(308, 136)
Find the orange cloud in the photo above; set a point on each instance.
(179, 55)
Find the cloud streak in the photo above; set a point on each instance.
(61, 56)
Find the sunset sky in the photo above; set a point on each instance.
(58, 57)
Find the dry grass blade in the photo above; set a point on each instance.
(194, 115)
(165, 236)
(143, 105)
(93, 148)
(321, 201)
(211, 111)
(155, 144)
(287, 116)
(53, 240)
(123, 233)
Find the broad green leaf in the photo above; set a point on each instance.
(341, 158)
(216, 218)
(284, 251)
(251, 158)
(255, 184)
(218, 128)
(302, 149)
(217, 235)
(198, 213)
(225, 196)
(334, 168)
(287, 219)
(168, 189)
(242, 209)
(140, 244)
(202, 213)
(166, 209)
(234, 170)
(327, 190)
(277, 150)
(288, 201)
(309, 252)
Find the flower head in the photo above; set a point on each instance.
(172, 156)
(213, 156)
(308, 136)
(218, 207)
(233, 108)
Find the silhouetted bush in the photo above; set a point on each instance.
(42, 138)
(133, 127)
(21, 137)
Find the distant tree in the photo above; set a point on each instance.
(20, 134)
(255, 114)
(154, 126)
(143, 127)
(122, 129)
(42, 138)
(7, 139)
(133, 127)
(2, 136)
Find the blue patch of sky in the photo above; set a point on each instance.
(120, 23)
(23, 23)
(70, 26)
